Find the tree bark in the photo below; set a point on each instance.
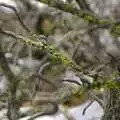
(112, 110)
(12, 87)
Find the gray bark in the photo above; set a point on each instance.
(112, 110)
(12, 85)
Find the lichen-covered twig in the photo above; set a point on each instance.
(91, 18)
(57, 56)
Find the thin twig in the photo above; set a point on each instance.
(85, 109)
(43, 67)
(45, 80)
(94, 97)
(11, 34)
(72, 81)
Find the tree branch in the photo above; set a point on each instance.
(17, 14)
(86, 15)
(84, 5)
(13, 82)
(91, 18)
(85, 109)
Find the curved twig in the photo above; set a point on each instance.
(85, 109)
(43, 67)
(72, 81)
(45, 80)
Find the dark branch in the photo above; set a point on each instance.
(13, 83)
(44, 80)
(17, 14)
(84, 5)
(85, 109)
(72, 81)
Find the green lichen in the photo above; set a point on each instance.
(105, 21)
(55, 55)
(68, 7)
(44, 1)
(115, 30)
(89, 18)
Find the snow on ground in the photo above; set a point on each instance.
(7, 2)
(94, 112)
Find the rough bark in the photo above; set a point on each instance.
(112, 111)
(12, 85)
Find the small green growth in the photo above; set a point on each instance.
(59, 58)
(115, 30)
(104, 21)
(68, 7)
(89, 18)
(45, 1)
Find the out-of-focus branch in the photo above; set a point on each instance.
(42, 67)
(56, 55)
(13, 82)
(91, 18)
(43, 79)
(86, 15)
(52, 112)
(84, 5)
(17, 14)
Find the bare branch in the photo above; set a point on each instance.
(17, 14)
(44, 80)
(95, 98)
(85, 109)
(72, 81)
(84, 5)
(10, 34)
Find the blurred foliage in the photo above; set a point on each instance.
(45, 25)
